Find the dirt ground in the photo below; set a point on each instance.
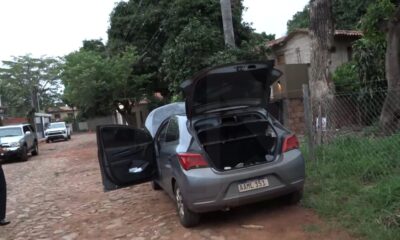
(59, 195)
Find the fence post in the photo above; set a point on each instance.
(308, 121)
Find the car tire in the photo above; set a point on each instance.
(35, 150)
(155, 186)
(187, 218)
(295, 197)
(69, 137)
(47, 141)
(24, 155)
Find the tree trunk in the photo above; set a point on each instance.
(390, 115)
(226, 11)
(321, 85)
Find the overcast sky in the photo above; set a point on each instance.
(58, 27)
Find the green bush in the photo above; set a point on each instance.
(346, 78)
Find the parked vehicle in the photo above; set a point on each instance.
(219, 149)
(16, 141)
(57, 130)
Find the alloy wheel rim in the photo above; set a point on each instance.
(179, 202)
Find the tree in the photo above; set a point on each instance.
(29, 84)
(347, 14)
(100, 85)
(174, 39)
(300, 19)
(226, 12)
(382, 22)
(391, 109)
(321, 84)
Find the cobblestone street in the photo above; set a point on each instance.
(59, 195)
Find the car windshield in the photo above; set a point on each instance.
(10, 132)
(57, 125)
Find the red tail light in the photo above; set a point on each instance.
(192, 160)
(290, 143)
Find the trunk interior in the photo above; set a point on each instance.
(233, 142)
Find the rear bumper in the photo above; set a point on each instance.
(205, 190)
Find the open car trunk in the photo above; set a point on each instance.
(237, 141)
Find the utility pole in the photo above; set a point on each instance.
(226, 11)
(1, 113)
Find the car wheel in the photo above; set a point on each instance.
(294, 197)
(35, 151)
(69, 136)
(155, 186)
(187, 218)
(47, 141)
(24, 155)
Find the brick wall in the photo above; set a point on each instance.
(296, 115)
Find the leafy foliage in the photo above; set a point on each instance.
(346, 78)
(24, 75)
(176, 38)
(300, 19)
(373, 23)
(152, 47)
(347, 14)
(95, 83)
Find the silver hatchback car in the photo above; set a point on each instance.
(218, 149)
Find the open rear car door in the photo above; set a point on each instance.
(126, 156)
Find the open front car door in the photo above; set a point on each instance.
(126, 156)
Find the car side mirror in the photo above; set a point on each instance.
(27, 132)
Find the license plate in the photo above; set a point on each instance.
(253, 184)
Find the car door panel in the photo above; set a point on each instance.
(168, 150)
(126, 156)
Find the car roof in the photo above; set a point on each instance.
(14, 125)
(158, 115)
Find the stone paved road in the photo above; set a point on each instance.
(58, 195)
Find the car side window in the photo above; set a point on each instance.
(172, 133)
(26, 129)
(161, 136)
(31, 128)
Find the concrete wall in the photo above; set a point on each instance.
(341, 54)
(297, 50)
(94, 122)
(63, 115)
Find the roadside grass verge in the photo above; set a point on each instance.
(355, 181)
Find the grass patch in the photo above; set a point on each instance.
(356, 182)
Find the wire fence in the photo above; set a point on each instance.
(360, 129)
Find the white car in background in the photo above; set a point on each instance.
(16, 141)
(57, 130)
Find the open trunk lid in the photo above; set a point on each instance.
(229, 86)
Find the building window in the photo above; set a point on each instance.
(57, 116)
